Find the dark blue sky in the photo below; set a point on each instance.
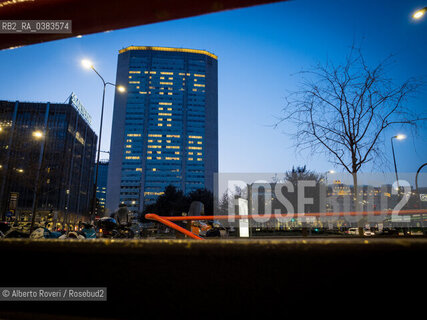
(259, 49)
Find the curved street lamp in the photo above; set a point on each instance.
(326, 175)
(398, 137)
(89, 65)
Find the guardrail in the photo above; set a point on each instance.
(167, 220)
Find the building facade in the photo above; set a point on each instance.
(50, 145)
(165, 128)
(101, 186)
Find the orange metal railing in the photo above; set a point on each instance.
(167, 220)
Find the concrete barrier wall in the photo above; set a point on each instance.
(194, 277)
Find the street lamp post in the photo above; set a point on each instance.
(398, 137)
(38, 135)
(88, 65)
(419, 196)
(326, 175)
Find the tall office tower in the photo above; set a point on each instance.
(51, 145)
(165, 129)
(101, 186)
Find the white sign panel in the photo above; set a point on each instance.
(243, 223)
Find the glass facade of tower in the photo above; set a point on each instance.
(62, 162)
(101, 186)
(165, 129)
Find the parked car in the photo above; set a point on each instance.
(387, 232)
(368, 233)
(353, 231)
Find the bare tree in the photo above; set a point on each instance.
(343, 110)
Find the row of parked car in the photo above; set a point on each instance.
(368, 233)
